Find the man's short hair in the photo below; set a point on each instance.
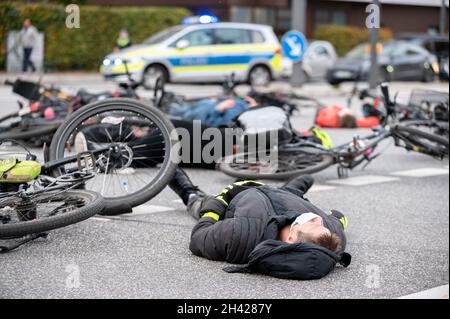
(329, 241)
(347, 121)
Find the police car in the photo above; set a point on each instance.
(201, 50)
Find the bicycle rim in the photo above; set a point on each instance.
(282, 165)
(138, 163)
(45, 211)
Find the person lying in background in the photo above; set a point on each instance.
(213, 112)
(337, 116)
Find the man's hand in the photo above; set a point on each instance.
(225, 105)
(251, 101)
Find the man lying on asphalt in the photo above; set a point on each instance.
(231, 224)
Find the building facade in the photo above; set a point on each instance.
(417, 16)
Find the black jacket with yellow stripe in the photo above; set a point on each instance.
(255, 214)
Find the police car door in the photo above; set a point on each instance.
(189, 56)
(233, 53)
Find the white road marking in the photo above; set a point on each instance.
(363, 180)
(103, 219)
(422, 172)
(320, 188)
(148, 209)
(178, 201)
(441, 292)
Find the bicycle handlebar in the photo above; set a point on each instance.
(386, 94)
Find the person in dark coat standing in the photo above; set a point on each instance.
(231, 224)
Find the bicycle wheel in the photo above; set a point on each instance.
(421, 141)
(135, 161)
(439, 128)
(51, 210)
(284, 165)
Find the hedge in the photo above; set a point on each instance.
(83, 48)
(345, 38)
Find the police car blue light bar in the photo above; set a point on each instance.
(203, 19)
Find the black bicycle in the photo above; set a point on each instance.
(32, 202)
(132, 144)
(48, 107)
(297, 156)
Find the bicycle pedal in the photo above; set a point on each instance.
(86, 161)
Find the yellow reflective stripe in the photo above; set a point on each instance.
(222, 200)
(327, 142)
(225, 190)
(344, 222)
(198, 68)
(276, 62)
(212, 215)
(135, 67)
(241, 183)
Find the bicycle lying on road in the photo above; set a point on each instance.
(31, 203)
(131, 168)
(76, 183)
(298, 157)
(48, 106)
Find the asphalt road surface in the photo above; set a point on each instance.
(398, 208)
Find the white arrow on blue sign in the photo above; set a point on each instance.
(294, 45)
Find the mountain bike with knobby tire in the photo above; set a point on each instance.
(298, 157)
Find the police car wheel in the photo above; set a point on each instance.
(152, 74)
(260, 76)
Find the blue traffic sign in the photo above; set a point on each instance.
(294, 45)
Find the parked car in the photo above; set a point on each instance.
(318, 59)
(201, 52)
(436, 44)
(398, 60)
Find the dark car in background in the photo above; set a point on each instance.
(398, 61)
(436, 44)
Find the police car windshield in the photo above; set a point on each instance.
(163, 35)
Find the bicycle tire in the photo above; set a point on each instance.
(116, 205)
(326, 160)
(412, 133)
(94, 205)
(441, 126)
